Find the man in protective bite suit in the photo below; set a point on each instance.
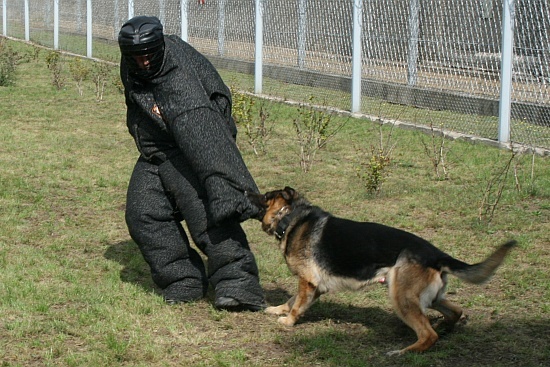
(189, 169)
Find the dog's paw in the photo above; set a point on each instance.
(286, 320)
(443, 325)
(463, 321)
(394, 353)
(277, 310)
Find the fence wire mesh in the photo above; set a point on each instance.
(443, 56)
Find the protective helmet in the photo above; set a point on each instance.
(141, 44)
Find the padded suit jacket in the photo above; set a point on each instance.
(185, 113)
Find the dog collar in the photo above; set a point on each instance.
(283, 225)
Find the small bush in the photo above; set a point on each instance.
(373, 169)
(100, 76)
(436, 151)
(79, 72)
(314, 128)
(493, 190)
(8, 64)
(373, 165)
(254, 120)
(53, 60)
(117, 83)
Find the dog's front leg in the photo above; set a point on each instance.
(283, 309)
(307, 294)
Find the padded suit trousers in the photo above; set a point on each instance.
(158, 198)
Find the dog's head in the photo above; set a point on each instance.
(273, 206)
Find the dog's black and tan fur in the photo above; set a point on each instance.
(330, 254)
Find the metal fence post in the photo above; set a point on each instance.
(356, 56)
(258, 62)
(221, 28)
(130, 9)
(162, 11)
(302, 33)
(56, 24)
(89, 38)
(507, 54)
(414, 28)
(184, 20)
(27, 26)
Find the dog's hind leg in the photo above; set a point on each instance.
(451, 314)
(413, 288)
(307, 294)
(426, 335)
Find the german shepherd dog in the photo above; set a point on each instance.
(330, 254)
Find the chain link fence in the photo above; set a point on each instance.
(435, 63)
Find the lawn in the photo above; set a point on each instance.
(75, 291)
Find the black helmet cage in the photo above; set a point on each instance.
(142, 37)
(155, 57)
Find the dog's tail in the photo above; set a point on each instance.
(480, 272)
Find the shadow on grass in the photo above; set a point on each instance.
(135, 269)
(359, 336)
(275, 297)
(323, 309)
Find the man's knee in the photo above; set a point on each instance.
(135, 224)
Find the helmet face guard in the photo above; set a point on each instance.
(141, 42)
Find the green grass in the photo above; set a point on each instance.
(75, 291)
(470, 124)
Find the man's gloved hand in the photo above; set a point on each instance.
(239, 209)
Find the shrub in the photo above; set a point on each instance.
(373, 166)
(314, 128)
(436, 151)
(79, 72)
(100, 75)
(53, 61)
(8, 64)
(254, 120)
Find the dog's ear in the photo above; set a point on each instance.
(289, 193)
